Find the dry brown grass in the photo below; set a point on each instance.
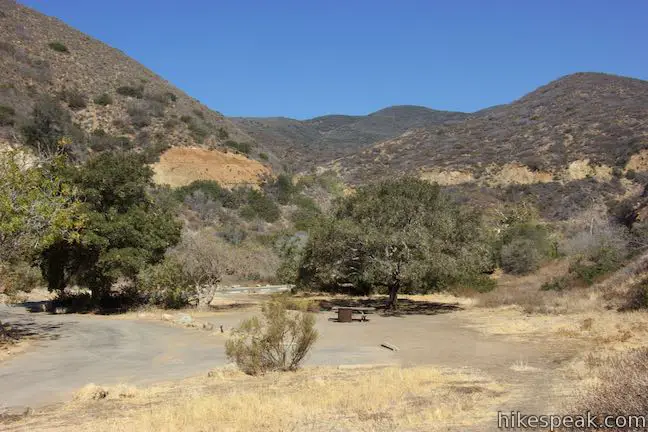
(614, 385)
(317, 399)
(525, 292)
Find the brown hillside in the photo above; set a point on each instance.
(179, 166)
(585, 116)
(308, 143)
(578, 140)
(103, 89)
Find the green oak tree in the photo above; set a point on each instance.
(395, 236)
(126, 227)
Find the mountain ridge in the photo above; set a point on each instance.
(315, 141)
(594, 116)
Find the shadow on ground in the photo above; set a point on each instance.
(76, 304)
(29, 329)
(404, 306)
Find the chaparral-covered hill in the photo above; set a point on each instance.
(108, 94)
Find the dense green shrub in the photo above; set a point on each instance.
(58, 47)
(524, 243)
(589, 269)
(126, 230)
(481, 283)
(171, 123)
(48, 128)
(7, 116)
(211, 188)
(135, 92)
(328, 181)
(291, 249)
(307, 214)
(153, 152)
(244, 148)
(263, 206)
(280, 188)
(38, 207)
(198, 132)
(103, 99)
(100, 142)
(247, 212)
(162, 98)
(279, 341)
(520, 256)
(165, 284)
(264, 156)
(186, 119)
(222, 133)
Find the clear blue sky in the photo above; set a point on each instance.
(304, 58)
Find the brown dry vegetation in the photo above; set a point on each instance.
(317, 399)
(581, 116)
(564, 145)
(308, 143)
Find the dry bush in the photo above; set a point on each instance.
(139, 114)
(19, 277)
(521, 256)
(74, 98)
(636, 296)
(278, 342)
(246, 261)
(621, 388)
(591, 232)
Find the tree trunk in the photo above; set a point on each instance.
(205, 295)
(393, 293)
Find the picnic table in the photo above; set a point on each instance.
(345, 313)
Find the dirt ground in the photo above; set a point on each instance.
(180, 166)
(518, 361)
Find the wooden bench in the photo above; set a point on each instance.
(345, 313)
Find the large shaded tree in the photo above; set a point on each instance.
(38, 206)
(37, 209)
(126, 228)
(399, 235)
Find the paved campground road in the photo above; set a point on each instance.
(79, 349)
(82, 349)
